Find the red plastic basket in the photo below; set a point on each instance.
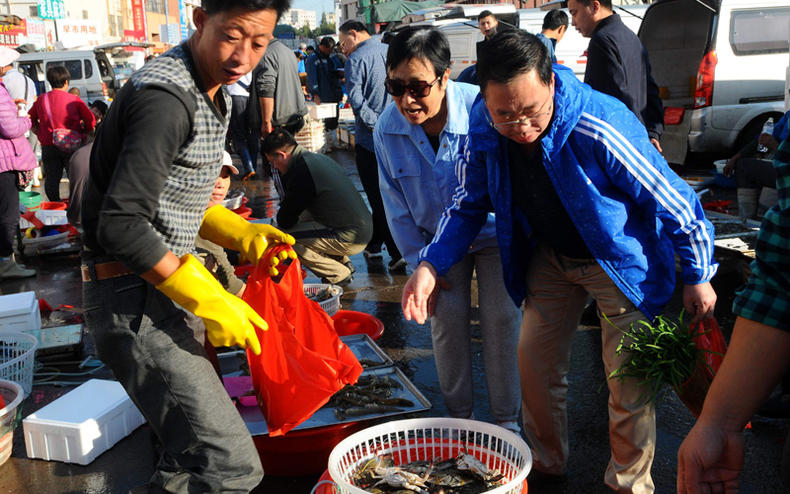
(348, 322)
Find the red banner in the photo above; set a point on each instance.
(10, 34)
(132, 35)
(138, 15)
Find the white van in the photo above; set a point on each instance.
(90, 71)
(720, 68)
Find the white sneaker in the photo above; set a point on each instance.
(10, 269)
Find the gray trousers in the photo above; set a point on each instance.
(452, 338)
(146, 341)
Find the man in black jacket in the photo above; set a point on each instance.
(617, 63)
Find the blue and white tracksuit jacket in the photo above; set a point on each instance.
(633, 212)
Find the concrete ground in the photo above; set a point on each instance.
(376, 291)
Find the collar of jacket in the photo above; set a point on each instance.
(606, 21)
(570, 99)
(457, 115)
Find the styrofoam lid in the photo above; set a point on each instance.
(87, 401)
(17, 303)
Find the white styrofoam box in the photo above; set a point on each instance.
(82, 424)
(324, 110)
(345, 114)
(50, 217)
(19, 312)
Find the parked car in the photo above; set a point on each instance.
(720, 68)
(90, 71)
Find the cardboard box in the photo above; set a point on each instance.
(82, 424)
(19, 312)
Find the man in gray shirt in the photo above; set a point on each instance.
(279, 90)
(365, 73)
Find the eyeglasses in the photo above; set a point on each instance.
(417, 89)
(531, 120)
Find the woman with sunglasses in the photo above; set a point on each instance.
(418, 138)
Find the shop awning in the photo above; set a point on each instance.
(395, 10)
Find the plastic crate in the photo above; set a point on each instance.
(82, 424)
(17, 352)
(331, 305)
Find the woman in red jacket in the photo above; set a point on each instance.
(58, 109)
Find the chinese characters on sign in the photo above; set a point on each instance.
(51, 9)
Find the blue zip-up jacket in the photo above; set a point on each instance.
(322, 77)
(366, 72)
(633, 212)
(417, 184)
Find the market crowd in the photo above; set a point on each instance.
(549, 192)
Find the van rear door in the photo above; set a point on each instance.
(677, 34)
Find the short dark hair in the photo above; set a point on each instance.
(100, 105)
(327, 41)
(58, 76)
(216, 6)
(352, 25)
(607, 4)
(420, 42)
(484, 14)
(510, 54)
(276, 140)
(554, 19)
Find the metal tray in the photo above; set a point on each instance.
(256, 424)
(364, 348)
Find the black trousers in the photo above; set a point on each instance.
(368, 169)
(55, 161)
(9, 212)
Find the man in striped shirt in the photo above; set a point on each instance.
(584, 205)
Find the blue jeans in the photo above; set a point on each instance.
(146, 341)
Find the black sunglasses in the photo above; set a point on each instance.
(418, 89)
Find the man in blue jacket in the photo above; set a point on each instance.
(324, 72)
(584, 205)
(617, 63)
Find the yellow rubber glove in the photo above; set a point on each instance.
(226, 228)
(229, 320)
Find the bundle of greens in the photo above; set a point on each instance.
(664, 353)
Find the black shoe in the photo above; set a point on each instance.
(537, 478)
(373, 252)
(398, 264)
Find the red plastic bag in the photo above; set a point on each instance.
(302, 361)
(711, 341)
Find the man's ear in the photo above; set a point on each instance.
(199, 17)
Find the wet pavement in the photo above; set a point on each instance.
(376, 291)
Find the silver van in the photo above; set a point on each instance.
(720, 68)
(90, 71)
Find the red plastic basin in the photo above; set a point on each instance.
(325, 488)
(54, 205)
(243, 211)
(302, 452)
(348, 322)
